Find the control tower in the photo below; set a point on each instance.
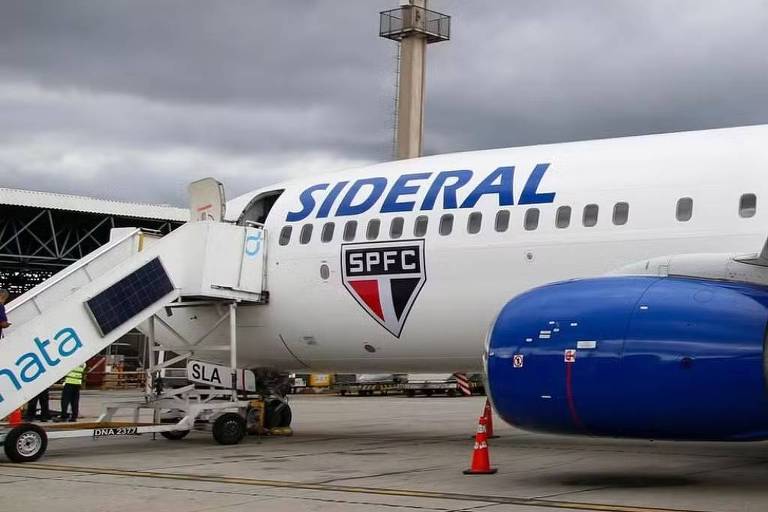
(414, 27)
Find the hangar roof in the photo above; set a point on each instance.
(34, 199)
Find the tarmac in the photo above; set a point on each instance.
(385, 453)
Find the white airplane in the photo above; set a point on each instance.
(469, 231)
(447, 263)
(405, 266)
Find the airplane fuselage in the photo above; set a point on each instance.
(443, 242)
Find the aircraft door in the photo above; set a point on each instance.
(206, 200)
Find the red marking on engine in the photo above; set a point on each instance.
(569, 396)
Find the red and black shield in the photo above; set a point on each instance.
(385, 278)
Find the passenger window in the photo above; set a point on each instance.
(748, 205)
(590, 215)
(531, 221)
(446, 224)
(372, 232)
(327, 234)
(396, 228)
(684, 209)
(420, 226)
(350, 230)
(620, 213)
(563, 217)
(502, 221)
(306, 234)
(285, 235)
(475, 222)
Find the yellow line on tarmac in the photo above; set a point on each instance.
(506, 500)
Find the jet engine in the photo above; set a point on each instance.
(633, 356)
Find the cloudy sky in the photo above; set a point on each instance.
(132, 99)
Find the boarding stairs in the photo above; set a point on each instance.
(79, 311)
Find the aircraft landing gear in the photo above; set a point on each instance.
(277, 413)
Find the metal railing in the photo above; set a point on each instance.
(397, 23)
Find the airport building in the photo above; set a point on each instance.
(42, 232)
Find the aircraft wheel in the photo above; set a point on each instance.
(287, 416)
(25, 443)
(229, 428)
(277, 414)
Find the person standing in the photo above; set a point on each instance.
(4, 296)
(45, 411)
(70, 395)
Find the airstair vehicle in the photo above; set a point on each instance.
(79, 311)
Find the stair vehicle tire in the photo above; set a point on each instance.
(229, 428)
(175, 435)
(25, 443)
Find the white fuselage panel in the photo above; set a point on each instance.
(313, 321)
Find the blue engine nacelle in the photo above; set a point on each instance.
(648, 357)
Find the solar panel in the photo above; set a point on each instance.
(129, 296)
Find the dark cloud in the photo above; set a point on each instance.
(556, 71)
(98, 97)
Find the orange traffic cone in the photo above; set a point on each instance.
(481, 463)
(488, 412)
(15, 418)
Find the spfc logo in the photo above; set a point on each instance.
(385, 278)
